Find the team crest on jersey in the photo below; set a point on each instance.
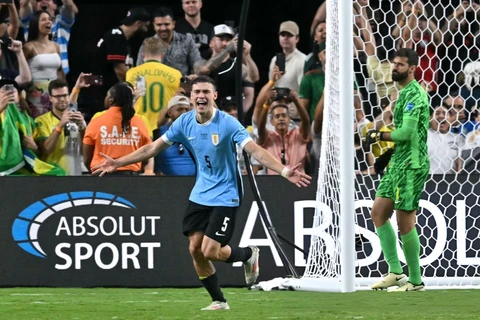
(215, 139)
(409, 106)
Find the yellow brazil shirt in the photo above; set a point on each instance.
(161, 82)
(45, 124)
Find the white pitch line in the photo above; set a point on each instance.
(32, 294)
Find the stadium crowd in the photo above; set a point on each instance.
(44, 132)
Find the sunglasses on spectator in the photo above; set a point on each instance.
(180, 148)
(282, 154)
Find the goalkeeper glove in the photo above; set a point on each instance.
(373, 136)
(382, 161)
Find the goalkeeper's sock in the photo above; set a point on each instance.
(411, 248)
(239, 254)
(388, 241)
(211, 284)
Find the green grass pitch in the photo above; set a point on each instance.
(145, 304)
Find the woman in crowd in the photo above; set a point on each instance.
(43, 56)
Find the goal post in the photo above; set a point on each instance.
(333, 242)
(448, 221)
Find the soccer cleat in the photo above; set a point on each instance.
(390, 280)
(217, 305)
(251, 267)
(409, 287)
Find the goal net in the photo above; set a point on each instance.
(445, 36)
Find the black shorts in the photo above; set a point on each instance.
(217, 223)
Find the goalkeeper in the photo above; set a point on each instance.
(402, 185)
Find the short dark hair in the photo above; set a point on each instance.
(164, 12)
(204, 79)
(280, 105)
(56, 84)
(410, 54)
(228, 104)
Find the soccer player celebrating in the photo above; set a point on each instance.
(211, 137)
(402, 185)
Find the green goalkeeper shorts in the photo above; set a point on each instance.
(404, 187)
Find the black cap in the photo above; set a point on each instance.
(8, 81)
(227, 101)
(136, 14)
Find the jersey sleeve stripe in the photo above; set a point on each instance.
(165, 139)
(244, 142)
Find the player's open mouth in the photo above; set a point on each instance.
(202, 103)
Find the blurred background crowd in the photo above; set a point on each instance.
(80, 79)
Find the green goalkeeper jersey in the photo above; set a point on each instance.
(413, 106)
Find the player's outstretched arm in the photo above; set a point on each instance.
(269, 161)
(139, 155)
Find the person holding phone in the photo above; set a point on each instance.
(221, 66)
(290, 60)
(9, 94)
(9, 27)
(24, 75)
(55, 128)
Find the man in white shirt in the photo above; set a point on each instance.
(288, 37)
(444, 147)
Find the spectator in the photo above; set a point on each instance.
(459, 117)
(113, 55)
(181, 52)
(24, 75)
(107, 104)
(471, 151)
(470, 91)
(444, 147)
(319, 36)
(193, 24)
(423, 36)
(9, 26)
(294, 59)
(59, 129)
(313, 83)
(117, 132)
(379, 51)
(62, 22)
(175, 161)
(460, 39)
(18, 150)
(287, 146)
(229, 105)
(267, 95)
(43, 56)
(221, 66)
(160, 81)
(13, 97)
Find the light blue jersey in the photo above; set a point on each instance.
(213, 147)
